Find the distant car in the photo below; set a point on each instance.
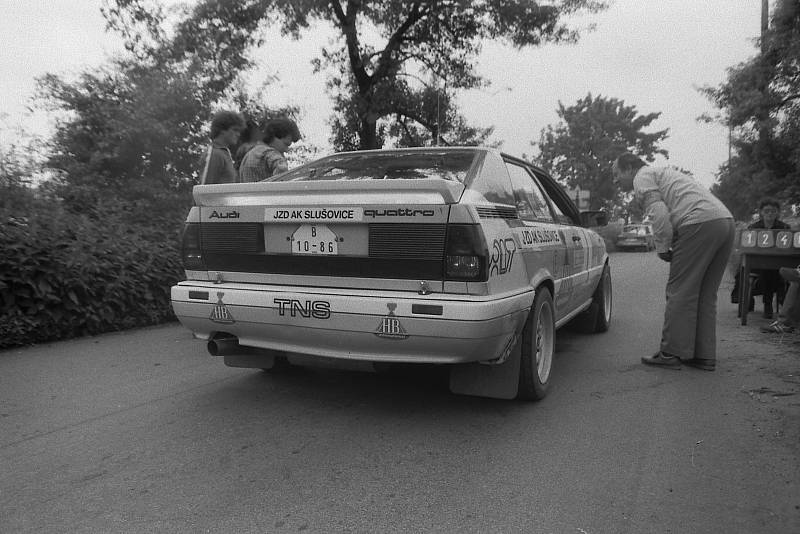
(636, 236)
(460, 256)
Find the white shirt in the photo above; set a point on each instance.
(672, 200)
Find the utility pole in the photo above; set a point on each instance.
(763, 131)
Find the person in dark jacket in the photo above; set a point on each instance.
(250, 137)
(769, 281)
(217, 163)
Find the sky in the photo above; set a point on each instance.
(650, 54)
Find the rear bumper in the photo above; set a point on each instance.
(385, 326)
(631, 244)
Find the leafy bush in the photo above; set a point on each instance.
(66, 274)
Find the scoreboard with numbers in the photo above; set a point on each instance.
(764, 249)
(777, 239)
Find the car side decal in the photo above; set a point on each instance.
(502, 256)
(537, 238)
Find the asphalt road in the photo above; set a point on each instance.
(142, 431)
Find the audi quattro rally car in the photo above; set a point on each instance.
(460, 256)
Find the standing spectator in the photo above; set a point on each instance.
(267, 158)
(218, 163)
(250, 137)
(769, 280)
(694, 232)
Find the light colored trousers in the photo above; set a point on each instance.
(699, 257)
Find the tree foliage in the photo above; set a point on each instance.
(135, 128)
(376, 84)
(578, 151)
(437, 121)
(760, 103)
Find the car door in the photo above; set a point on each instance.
(581, 260)
(546, 244)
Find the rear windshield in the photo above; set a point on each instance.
(451, 165)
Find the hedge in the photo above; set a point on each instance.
(64, 274)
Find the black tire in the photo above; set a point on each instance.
(602, 299)
(538, 347)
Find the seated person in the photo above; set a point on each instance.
(770, 283)
(789, 314)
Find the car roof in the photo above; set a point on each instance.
(414, 149)
(447, 148)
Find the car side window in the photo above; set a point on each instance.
(531, 203)
(560, 217)
(565, 211)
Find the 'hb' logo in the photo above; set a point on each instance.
(221, 313)
(390, 326)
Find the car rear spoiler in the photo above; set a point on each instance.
(420, 191)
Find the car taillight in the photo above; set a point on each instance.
(465, 253)
(191, 254)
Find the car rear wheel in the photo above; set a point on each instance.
(538, 347)
(602, 300)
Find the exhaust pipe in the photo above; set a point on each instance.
(224, 345)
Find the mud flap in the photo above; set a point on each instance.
(492, 381)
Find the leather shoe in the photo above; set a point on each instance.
(662, 359)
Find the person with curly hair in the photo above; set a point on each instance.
(267, 158)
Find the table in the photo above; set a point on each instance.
(764, 249)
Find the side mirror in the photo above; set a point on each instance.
(594, 218)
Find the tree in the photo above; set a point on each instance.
(375, 83)
(760, 104)
(134, 129)
(446, 126)
(579, 150)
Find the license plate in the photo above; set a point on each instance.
(315, 239)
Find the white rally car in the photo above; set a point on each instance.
(462, 256)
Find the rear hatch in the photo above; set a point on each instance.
(368, 219)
